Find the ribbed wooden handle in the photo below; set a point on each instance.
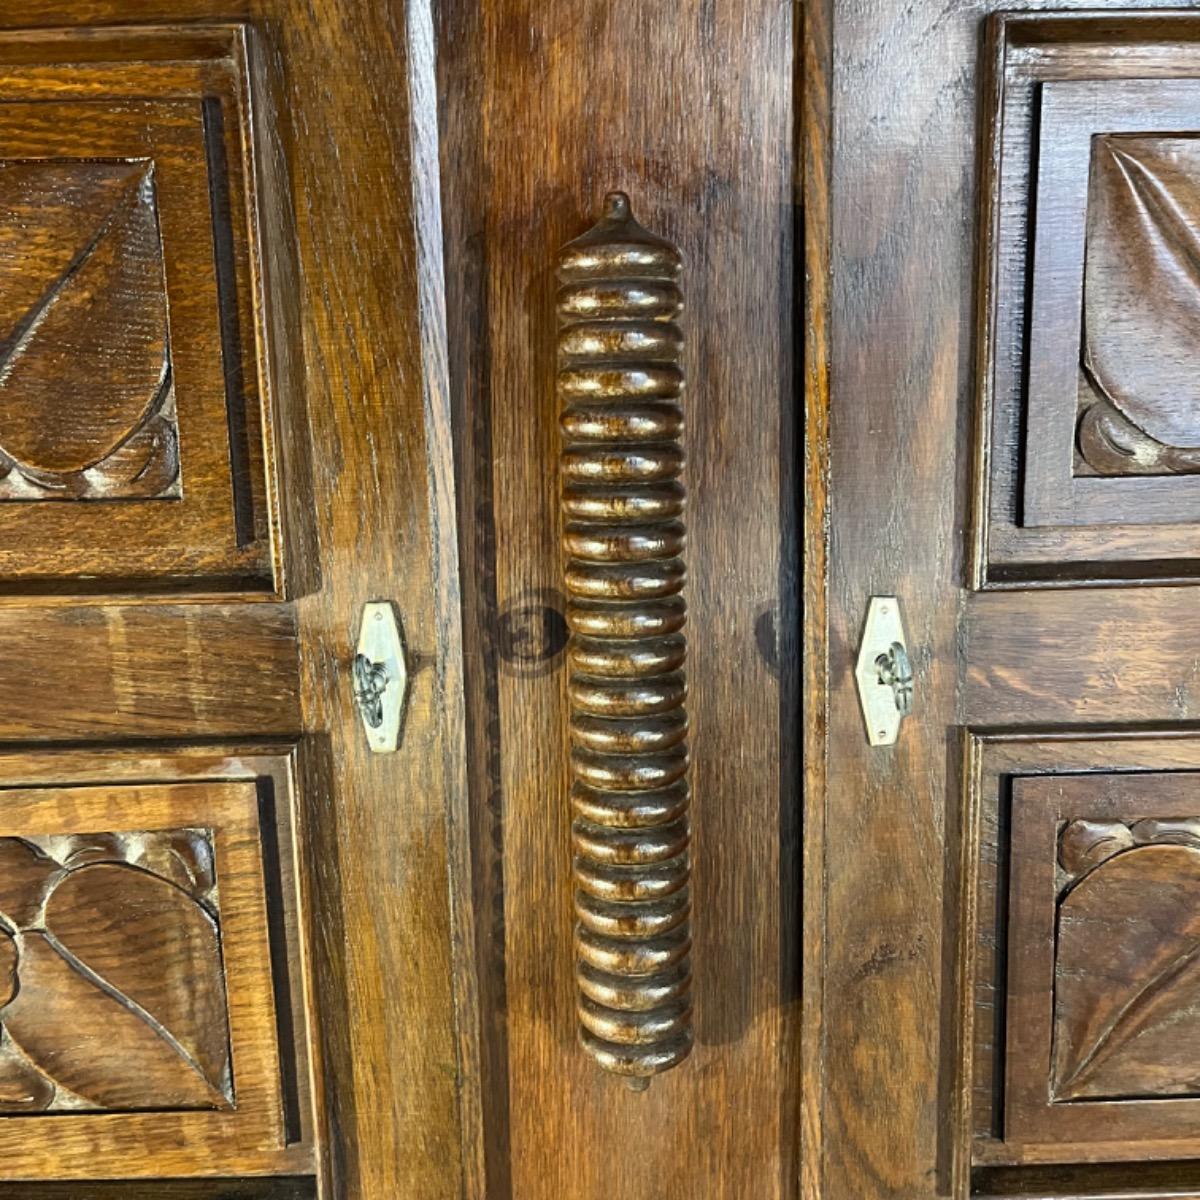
(620, 384)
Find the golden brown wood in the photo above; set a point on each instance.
(709, 164)
(340, 296)
(117, 672)
(89, 999)
(619, 387)
(116, 992)
(130, 328)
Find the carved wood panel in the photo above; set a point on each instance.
(112, 989)
(1090, 301)
(1096, 1037)
(1139, 396)
(151, 981)
(135, 444)
(85, 363)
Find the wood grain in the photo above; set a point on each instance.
(1133, 50)
(345, 293)
(152, 330)
(86, 367)
(115, 673)
(118, 992)
(1045, 659)
(707, 163)
(907, 138)
(814, 37)
(250, 1137)
(1140, 300)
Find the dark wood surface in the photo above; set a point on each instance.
(297, 1188)
(1035, 632)
(438, 969)
(340, 312)
(689, 109)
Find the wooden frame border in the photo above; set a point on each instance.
(256, 824)
(218, 56)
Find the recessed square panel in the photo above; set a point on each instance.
(134, 412)
(1103, 998)
(1088, 463)
(151, 988)
(1081, 954)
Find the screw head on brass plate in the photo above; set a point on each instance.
(381, 676)
(883, 672)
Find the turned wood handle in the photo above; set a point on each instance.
(620, 384)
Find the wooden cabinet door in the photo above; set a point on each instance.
(300, 319)
(1006, 284)
(225, 922)
(670, 340)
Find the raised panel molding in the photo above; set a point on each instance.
(152, 981)
(137, 443)
(86, 396)
(1081, 960)
(1089, 300)
(112, 990)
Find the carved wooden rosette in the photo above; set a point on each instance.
(620, 385)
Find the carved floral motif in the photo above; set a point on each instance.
(1140, 387)
(111, 983)
(1127, 983)
(87, 403)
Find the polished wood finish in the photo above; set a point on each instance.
(1005, 1007)
(115, 989)
(132, 378)
(1101, 983)
(434, 921)
(120, 983)
(1140, 299)
(334, 259)
(620, 385)
(87, 370)
(641, 99)
(1129, 74)
(114, 672)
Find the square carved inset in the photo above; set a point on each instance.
(137, 446)
(1103, 994)
(87, 406)
(1115, 314)
(1089, 405)
(151, 971)
(112, 989)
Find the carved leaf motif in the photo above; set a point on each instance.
(22, 1087)
(1086, 844)
(87, 1039)
(1127, 986)
(1142, 300)
(1182, 831)
(85, 381)
(183, 856)
(117, 995)
(25, 877)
